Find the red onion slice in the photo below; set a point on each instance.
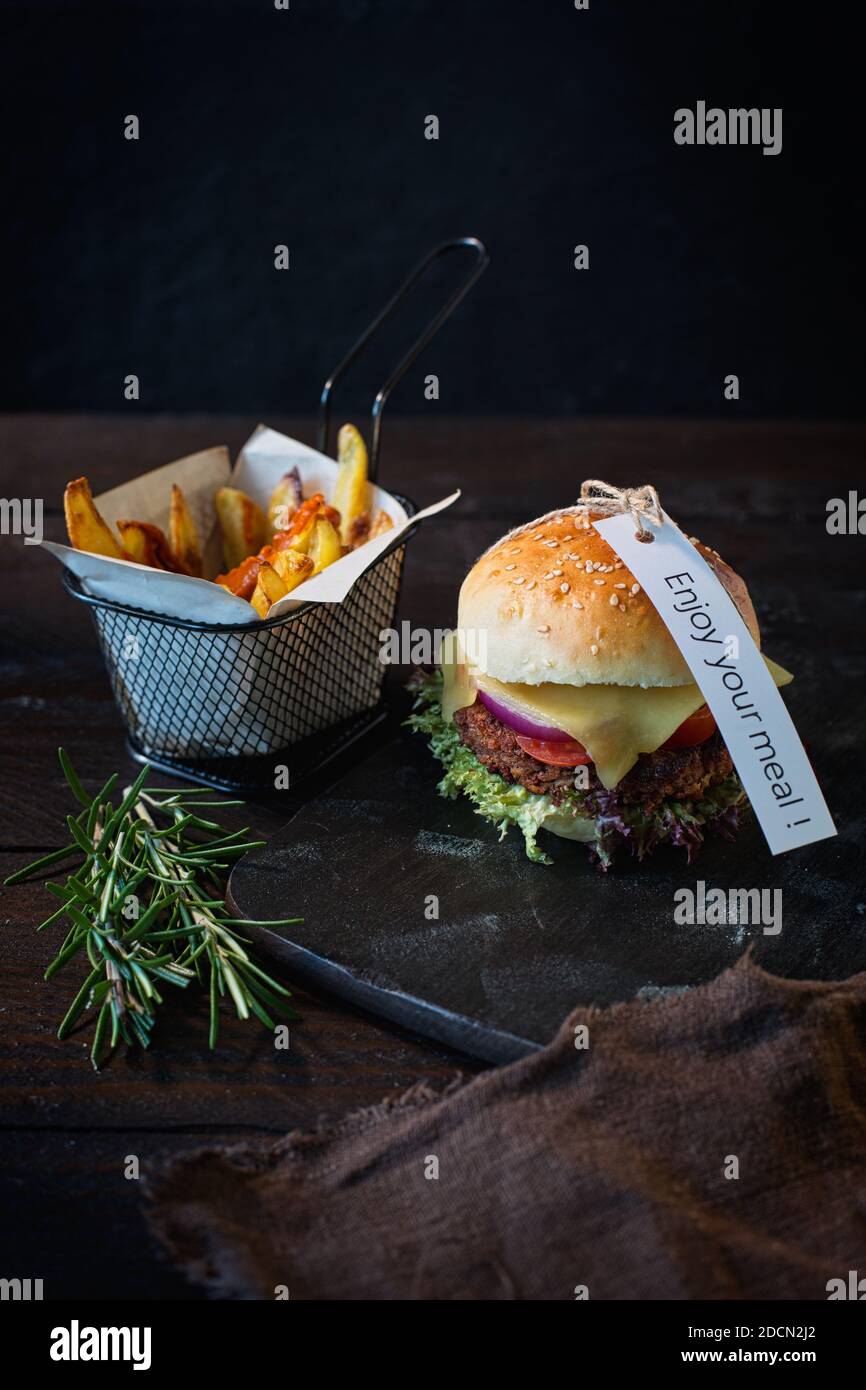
(521, 723)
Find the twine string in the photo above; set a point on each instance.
(640, 503)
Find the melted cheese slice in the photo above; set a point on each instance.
(615, 723)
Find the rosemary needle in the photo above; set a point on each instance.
(145, 904)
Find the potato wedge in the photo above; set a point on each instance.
(325, 545)
(183, 535)
(147, 545)
(299, 532)
(269, 588)
(292, 567)
(381, 523)
(242, 579)
(285, 500)
(86, 528)
(359, 531)
(351, 490)
(242, 523)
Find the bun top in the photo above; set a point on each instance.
(553, 602)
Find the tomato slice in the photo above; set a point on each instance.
(569, 753)
(563, 753)
(696, 729)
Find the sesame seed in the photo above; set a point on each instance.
(564, 588)
(556, 573)
(532, 583)
(635, 588)
(549, 575)
(619, 586)
(617, 564)
(599, 582)
(515, 550)
(518, 580)
(572, 556)
(538, 535)
(598, 634)
(551, 544)
(576, 604)
(511, 567)
(594, 649)
(614, 600)
(544, 628)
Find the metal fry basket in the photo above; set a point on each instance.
(229, 704)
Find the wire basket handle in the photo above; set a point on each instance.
(481, 259)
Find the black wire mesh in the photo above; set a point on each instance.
(230, 705)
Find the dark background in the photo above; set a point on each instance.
(306, 127)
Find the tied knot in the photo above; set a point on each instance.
(640, 503)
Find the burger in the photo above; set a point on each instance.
(564, 705)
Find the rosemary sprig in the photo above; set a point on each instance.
(145, 905)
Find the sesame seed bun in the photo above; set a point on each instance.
(544, 616)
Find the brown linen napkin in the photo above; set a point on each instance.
(602, 1167)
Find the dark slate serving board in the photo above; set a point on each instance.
(517, 945)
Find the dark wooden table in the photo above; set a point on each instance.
(756, 491)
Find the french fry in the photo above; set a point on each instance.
(242, 523)
(325, 545)
(292, 567)
(269, 588)
(183, 535)
(381, 523)
(86, 528)
(351, 491)
(285, 500)
(147, 545)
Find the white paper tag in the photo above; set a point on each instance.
(726, 664)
